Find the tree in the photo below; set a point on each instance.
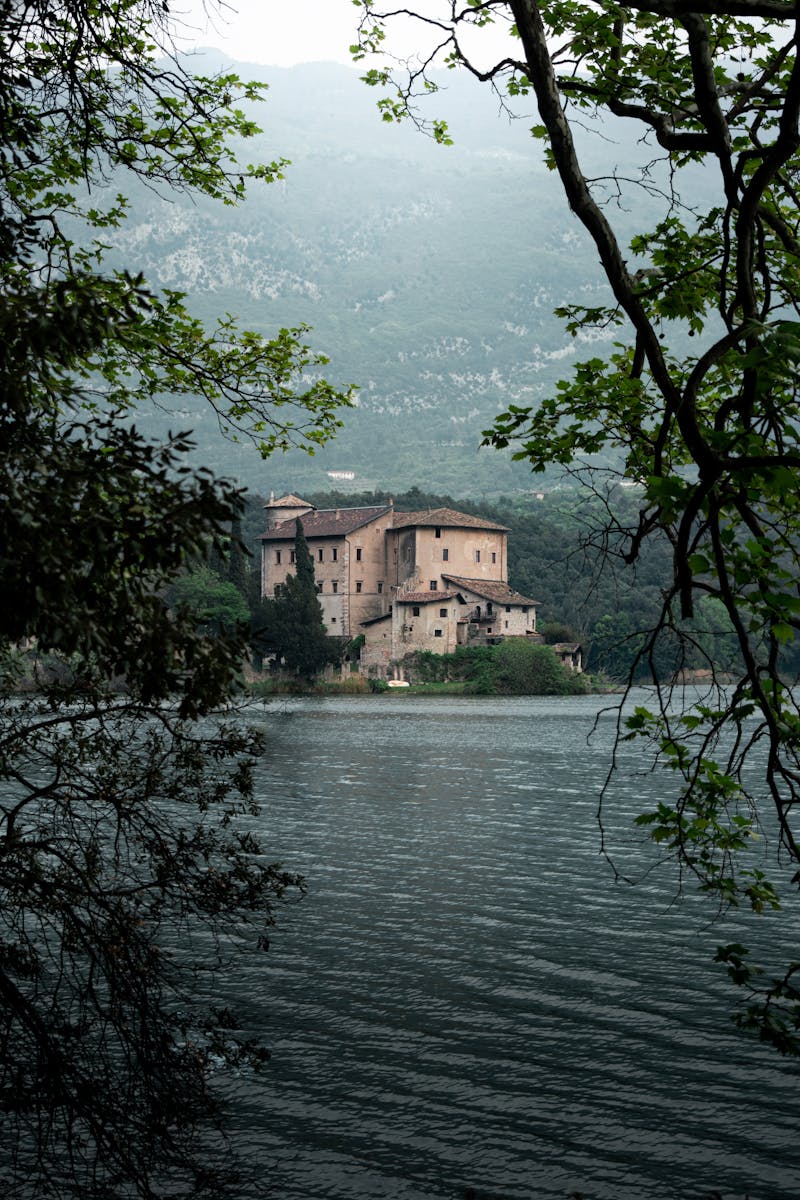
(616, 645)
(219, 606)
(698, 402)
(297, 633)
(126, 856)
(237, 559)
(524, 668)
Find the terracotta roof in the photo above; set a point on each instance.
(422, 597)
(288, 502)
(491, 589)
(326, 522)
(447, 517)
(374, 620)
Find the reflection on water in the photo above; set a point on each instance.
(466, 998)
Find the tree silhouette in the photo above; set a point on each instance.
(296, 629)
(127, 858)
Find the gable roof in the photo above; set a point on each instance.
(447, 517)
(491, 589)
(326, 522)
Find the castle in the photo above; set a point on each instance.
(408, 581)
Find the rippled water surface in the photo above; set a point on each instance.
(467, 999)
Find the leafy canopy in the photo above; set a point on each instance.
(699, 398)
(125, 807)
(89, 94)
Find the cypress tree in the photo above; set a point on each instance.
(237, 560)
(297, 630)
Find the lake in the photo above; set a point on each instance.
(467, 1003)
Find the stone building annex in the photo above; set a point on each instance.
(407, 581)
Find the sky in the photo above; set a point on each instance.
(278, 33)
(282, 33)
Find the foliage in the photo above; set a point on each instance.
(700, 395)
(83, 100)
(109, 1021)
(349, 685)
(465, 663)
(617, 644)
(219, 606)
(259, 610)
(512, 668)
(353, 647)
(296, 631)
(237, 573)
(525, 669)
(556, 631)
(127, 859)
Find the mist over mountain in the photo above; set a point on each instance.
(428, 273)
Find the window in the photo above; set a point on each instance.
(489, 629)
(334, 555)
(358, 554)
(380, 586)
(334, 585)
(291, 556)
(333, 619)
(508, 608)
(437, 633)
(359, 585)
(434, 585)
(437, 531)
(319, 554)
(319, 586)
(442, 612)
(415, 611)
(477, 556)
(494, 557)
(489, 606)
(278, 557)
(445, 554)
(506, 624)
(524, 608)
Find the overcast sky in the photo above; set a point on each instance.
(278, 33)
(281, 33)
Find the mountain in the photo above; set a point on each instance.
(428, 273)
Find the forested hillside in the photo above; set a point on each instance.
(429, 275)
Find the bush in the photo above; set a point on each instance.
(514, 668)
(525, 668)
(483, 682)
(557, 631)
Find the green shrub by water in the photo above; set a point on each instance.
(514, 668)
